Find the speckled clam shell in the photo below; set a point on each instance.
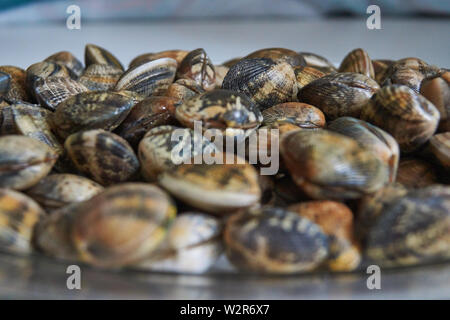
(437, 90)
(24, 161)
(100, 77)
(122, 225)
(306, 75)
(380, 68)
(439, 146)
(221, 109)
(18, 216)
(161, 150)
(263, 80)
(178, 55)
(52, 91)
(192, 245)
(34, 122)
(69, 61)
(183, 89)
(94, 54)
(102, 155)
(197, 66)
(91, 110)
(18, 89)
(372, 138)
(279, 54)
(58, 190)
(328, 165)
(336, 221)
(409, 117)
(416, 173)
(151, 78)
(215, 188)
(43, 70)
(358, 61)
(339, 94)
(274, 240)
(303, 115)
(5, 83)
(411, 229)
(145, 115)
(318, 62)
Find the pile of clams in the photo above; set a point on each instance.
(122, 168)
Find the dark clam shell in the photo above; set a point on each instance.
(339, 94)
(358, 61)
(96, 55)
(104, 156)
(69, 61)
(439, 147)
(274, 240)
(437, 90)
(5, 83)
(91, 110)
(263, 80)
(295, 59)
(18, 89)
(100, 77)
(409, 117)
(416, 173)
(197, 66)
(43, 70)
(151, 78)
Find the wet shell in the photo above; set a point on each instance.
(18, 216)
(372, 138)
(336, 221)
(339, 94)
(225, 110)
(299, 114)
(43, 70)
(183, 89)
(17, 90)
(197, 66)
(151, 78)
(58, 190)
(34, 122)
(408, 117)
(318, 62)
(279, 54)
(104, 156)
(273, 240)
(264, 81)
(439, 147)
(145, 115)
(122, 225)
(52, 91)
(358, 61)
(24, 161)
(412, 229)
(96, 55)
(306, 75)
(437, 90)
(69, 61)
(416, 173)
(100, 77)
(325, 171)
(286, 192)
(91, 110)
(193, 244)
(380, 68)
(216, 188)
(178, 55)
(5, 83)
(164, 147)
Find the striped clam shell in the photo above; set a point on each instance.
(299, 114)
(293, 58)
(100, 77)
(358, 61)
(409, 117)
(318, 62)
(44, 70)
(183, 89)
(94, 54)
(69, 61)
(178, 55)
(437, 90)
(197, 66)
(305, 75)
(151, 78)
(50, 92)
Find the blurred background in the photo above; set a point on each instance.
(34, 29)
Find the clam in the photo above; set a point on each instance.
(100, 77)
(151, 78)
(416, 173)
(263, 80)
(104, 156)
(306, 75)
(409, 117)
(328, 165)
(274, 240)
(24, 161)
(41, 71)
(197, 66)
(302, 115)
(96, 55)
(437, 90)
(178, 55)
(69, 61)
(183, 89)
(439, 146)
(18, 216)
(339, 94)
(380, 68)
(318, 62)
(370, 137)
(5, 83)
(91, 110)
(336, 221)
(358, 61)
(279, 54)
(17, 88)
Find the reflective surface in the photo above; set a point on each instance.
(41, 278)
